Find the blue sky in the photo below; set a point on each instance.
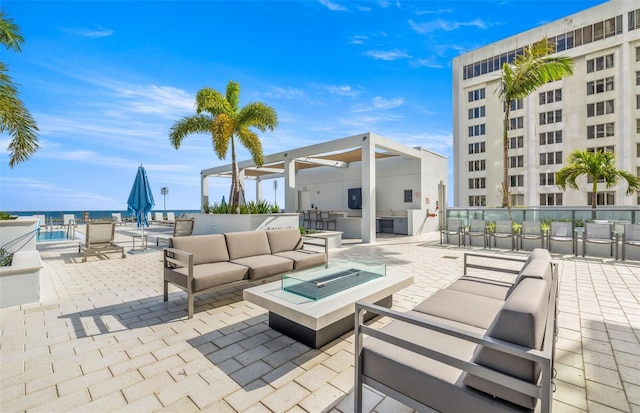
(106, 80)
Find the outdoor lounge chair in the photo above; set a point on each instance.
(117, 218)
(630, 236)
(503, 229)
(478, 228)
(183, 227)
(531, 230)
(158, 218)
(100, 239)
(602, 234)
(562, 232)
(454, 227)
(171, 218)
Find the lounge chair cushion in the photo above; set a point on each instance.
(263, 266)
(284, 240)
(521, 321)
(205, 248)
(247, 244)
(421, 378)
(538, 268)
(485, 287)
(471, 309)
(212, 274)
(304, 259)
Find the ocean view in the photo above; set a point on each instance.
(82, 216)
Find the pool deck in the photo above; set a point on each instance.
(102, 339)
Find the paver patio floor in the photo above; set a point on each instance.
(102, 339)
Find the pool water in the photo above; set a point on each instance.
(44, 236)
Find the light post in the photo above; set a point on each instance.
(165, 191)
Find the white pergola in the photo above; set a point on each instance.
(365, 148)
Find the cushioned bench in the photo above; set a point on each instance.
(479, 345)
(202, 264)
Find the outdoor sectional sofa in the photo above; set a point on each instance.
(481, 345)
(202, 264)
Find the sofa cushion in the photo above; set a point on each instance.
(482, 286)
(205, 248)
(263, 266)
(466, 308)
(214, 274)
(521, 321)
(430, 382)
(284, 240)
(538, 268)
(247, 244)
(304, 259)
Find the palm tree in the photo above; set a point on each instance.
(221, 116)
(529, 71)
(15, 118)
(597, 166)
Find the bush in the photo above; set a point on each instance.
(5, 258)
(252, 207)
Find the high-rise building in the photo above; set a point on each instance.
(598, 108)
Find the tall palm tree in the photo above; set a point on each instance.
(529, 71)
(221, 116)
(596, 165)
(15, 118)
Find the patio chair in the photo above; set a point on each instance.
(171, 218)
(562, 232)
(600, 234)
(326, 219)
(158, 218)
(99, 238)
(503, 229)
(477, 228)
(630, 236)
(183, 227)
(454, 227)
(117, 218)
(68, 219)
(531, 230)
(306, 218)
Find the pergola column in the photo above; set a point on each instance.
(289, 184)
(368, 224)
(258, 189)
(204, 191)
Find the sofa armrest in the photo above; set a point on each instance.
(318, 242)
(468, 264)
(544, 357)
(171, 260)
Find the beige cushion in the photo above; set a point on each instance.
(304, 259)
(205, 248)
(498, 290)
(212, 275)
(247, 244)
(466, 308)
(521, 321)
(538, 268)
(284, 240)
(263, 266)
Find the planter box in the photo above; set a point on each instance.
(12, 229)
(334, 238)
(20, 282)
(221, 223)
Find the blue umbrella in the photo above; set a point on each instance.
(141, 199)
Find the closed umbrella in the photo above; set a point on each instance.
(141, 199)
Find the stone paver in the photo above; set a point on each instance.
(102, 339)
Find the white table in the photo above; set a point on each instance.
(316, 323)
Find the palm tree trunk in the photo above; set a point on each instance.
(506, 198)
(234, 196)
(594, 197)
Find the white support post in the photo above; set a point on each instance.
(368, 224)
(204, 191)
(289, 184)
(258, 189)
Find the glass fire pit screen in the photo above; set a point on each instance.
(320, 282)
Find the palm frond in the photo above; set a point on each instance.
(222, 129)
(188, 125)
(211, 101)
(258, 115)
(251, 141)
(233, 95)
(10, 36)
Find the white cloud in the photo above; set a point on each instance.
(357, 39)
(439, 11)
(427, 63)
(384, 104)
(446, 25)
(283, 93)
(99, 32)
(387, 55)
(342, 90)
(332, 6)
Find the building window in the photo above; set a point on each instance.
(609, 148)
(476, 112)
(550, 199)
(516, 161)
(603, 198)
(638, 152)
(477, 130)
(477, 165)
(551, 117)
(600, 108)
(600, 63)
(600, 86)
(516, 180)
(550, 96)
(516, 104)
(476, 94)
(637, 125)
(638, 54)
(550, 138)
(477, 183)
(516, 123)
(478, 147)
(477, 200)
(637, 77)
(637, 101)
(547, 178)
(517, 199)
(604, 130)
(634, 19)
(516, 142)
(551, 158)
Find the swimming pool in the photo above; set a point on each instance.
(45, 236)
